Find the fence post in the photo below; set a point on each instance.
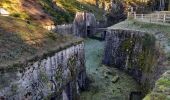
(142, 16)
(135, 15)
(128, 15)
(164, 20)
(150, 18)
(158, 17)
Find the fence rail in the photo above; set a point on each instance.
(155, 17)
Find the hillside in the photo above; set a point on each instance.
(48, 12)
(22, 41)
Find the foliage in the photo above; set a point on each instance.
(62, 11)
(73, 6)
(72, 65)
(58, 15)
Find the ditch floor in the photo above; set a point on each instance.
(106, 83)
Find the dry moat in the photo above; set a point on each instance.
(106, 83)
(84, 50)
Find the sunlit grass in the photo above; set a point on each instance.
(21, 40)
(65, 12)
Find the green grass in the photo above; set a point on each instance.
(20, 41)
(142, 26)
(72, 6)
(59, 17)
(161, 89)
(65, 12)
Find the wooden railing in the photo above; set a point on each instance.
(3, 12)
(50, 27)
(154, 17)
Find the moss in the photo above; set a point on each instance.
(146, 61)
(43, 77)
(127, 45)
(161, 89)
(148, 41)
(51, 36)
(146, 57)
(164, 82)
(72, 65)
(155, 96)
(14, 88)
(59, 72)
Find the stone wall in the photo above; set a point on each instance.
(134, 52)
(84, 24)
(64, 29)
(60, 76)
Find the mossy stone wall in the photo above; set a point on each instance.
(134, 52)
(54, 77)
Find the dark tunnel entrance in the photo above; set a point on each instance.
(88, 31)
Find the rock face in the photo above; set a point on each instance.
(84, 24)
(59, 76)
(134, 52)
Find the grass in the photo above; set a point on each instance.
(59, 16)
(13, 7)
(72, 6)
(63, 12)
(161, 89)
(20, 41)
(142, 26)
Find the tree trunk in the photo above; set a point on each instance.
(97, 3)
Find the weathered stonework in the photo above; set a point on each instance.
(64, 29)
(134, 52)
(60, 76)
(84, 24)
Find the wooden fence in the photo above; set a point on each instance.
(3, 12)
(154, 17)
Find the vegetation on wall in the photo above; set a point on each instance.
(146, 57)
(59, 11)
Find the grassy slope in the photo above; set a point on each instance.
(20, 41)
(64, 12)
(72, 6)
(162, 87)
